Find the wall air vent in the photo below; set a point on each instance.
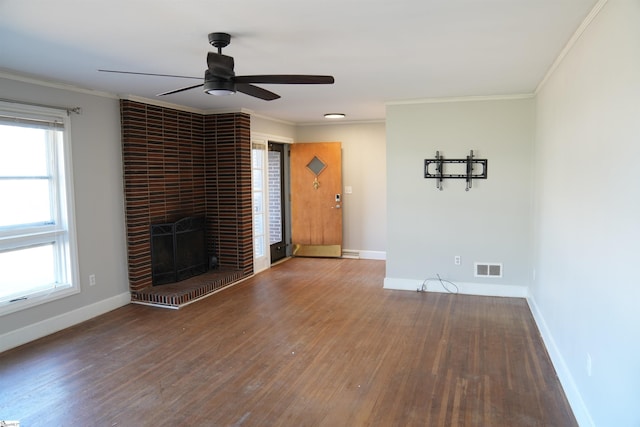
(487, 269)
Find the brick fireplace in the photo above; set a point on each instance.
(179, 164)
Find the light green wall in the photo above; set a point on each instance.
(427, 228)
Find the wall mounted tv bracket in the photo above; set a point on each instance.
(434, 168)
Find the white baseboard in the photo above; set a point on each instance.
(362, 254)
(57, 323)
(580, 411)
(381, 255)
(466, 288)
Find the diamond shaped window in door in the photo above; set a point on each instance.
(316, 166)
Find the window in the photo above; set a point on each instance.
(37, 243)
(258, 179)
(257, 160)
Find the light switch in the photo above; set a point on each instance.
(348, 189)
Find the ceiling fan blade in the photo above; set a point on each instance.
(149, 74)
(256, 91)
(285, 79)
(180, 90)
(220, 65)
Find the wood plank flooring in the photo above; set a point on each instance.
(311, 342)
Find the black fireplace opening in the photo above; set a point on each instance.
(178, 250)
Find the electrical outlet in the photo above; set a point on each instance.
(456, 260)
(92, 280)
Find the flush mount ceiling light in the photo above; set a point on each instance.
(334, 116)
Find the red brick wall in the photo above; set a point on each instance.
(179, 164)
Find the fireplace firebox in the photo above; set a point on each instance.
(178, 250)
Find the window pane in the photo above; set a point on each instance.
(26, 270)
(258, 225)
(256, 155)
(24, 201)
(257, 202)
(23, 151)
(257, 179)
(258, 244)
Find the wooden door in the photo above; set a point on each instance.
(316, 199)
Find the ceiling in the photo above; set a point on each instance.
(378, 50)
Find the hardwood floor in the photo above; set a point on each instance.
(311, 342)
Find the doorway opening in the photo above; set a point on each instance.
(279, 207)
(271, 201)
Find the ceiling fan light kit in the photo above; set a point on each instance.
(220, 79)
(219, 87)
(220, 92)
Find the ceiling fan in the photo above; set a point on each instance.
(220, 79)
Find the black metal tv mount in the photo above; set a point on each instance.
(469, 176)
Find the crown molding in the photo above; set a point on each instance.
(227, 111)
(185, 108)
(55, 85)
(159, 103)
(272, 119)
(462, 99)
(341, 122)
(572, 41)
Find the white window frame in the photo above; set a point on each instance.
(260, 262)
(61, 232)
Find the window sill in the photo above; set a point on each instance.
(37, 299)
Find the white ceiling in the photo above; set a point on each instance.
(377, 50)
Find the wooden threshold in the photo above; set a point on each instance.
(325, 251)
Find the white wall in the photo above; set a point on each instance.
(364, 170)
(98, 192)
(427, 228)
(587, 200)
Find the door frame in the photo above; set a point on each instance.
(281, 249)
(264, 262)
